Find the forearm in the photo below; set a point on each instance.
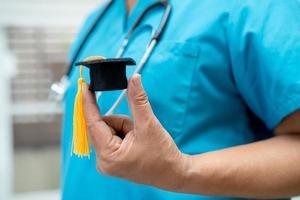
(266, 169)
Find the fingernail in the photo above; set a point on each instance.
(136, 80)
(84, 87)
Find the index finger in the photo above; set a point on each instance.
(91, 109)
(99, 131)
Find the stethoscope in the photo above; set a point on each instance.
(58, 89)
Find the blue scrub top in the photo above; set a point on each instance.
(224, 74)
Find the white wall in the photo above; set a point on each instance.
(7, 70)
(47, 12)
(28, 13)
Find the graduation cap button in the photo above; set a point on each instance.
(107, 73)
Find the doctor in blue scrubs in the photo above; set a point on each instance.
(213, 115)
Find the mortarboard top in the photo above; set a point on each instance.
(107, 73)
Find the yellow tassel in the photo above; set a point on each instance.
(80, 138)
(80, 146)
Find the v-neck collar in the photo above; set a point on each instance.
(136, 11)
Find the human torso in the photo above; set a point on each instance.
(189, 83)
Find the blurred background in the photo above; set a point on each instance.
(35, 36)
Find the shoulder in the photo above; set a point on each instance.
(261, 11)
(85, 26)
(91, 17)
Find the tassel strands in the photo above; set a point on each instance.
(80, 135)
(80, 145)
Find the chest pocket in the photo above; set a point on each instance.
(167, 79)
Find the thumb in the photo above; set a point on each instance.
(138, 100)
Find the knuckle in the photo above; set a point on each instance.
(141, 98)
(98, 167)
(104, 169)
(91, 132)
(92, 126)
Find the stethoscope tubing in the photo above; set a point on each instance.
(63, 84)
(137, 70)
(87, 36)
(154, 40)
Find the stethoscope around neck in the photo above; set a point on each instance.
(58, 89)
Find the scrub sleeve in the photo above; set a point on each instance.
(265, 50)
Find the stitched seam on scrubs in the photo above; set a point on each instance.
(85, 27)
(229, 53)
(190, 92)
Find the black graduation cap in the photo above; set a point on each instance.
(107, 74)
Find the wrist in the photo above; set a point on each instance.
(183, 172)
(174, 175)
